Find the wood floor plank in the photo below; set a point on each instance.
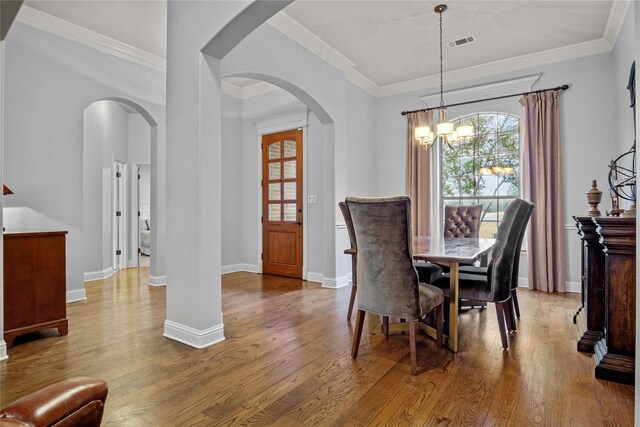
(286, 362)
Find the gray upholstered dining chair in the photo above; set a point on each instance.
(472, 269)
(387, 281)
(459, 221)
(354, 259)
(495, 287)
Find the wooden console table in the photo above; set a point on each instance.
(35, 283)
(593, 290)
(615, 354)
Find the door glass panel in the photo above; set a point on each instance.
(289, 148)
(274, 170)
(290, 169)
(274, 150)
(274, 212)
(289, 190)
(274, 191)
(289, 211)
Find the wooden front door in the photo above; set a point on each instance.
(282, 203)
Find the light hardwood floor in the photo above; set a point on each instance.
(286, 361)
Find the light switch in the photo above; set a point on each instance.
(312, 198)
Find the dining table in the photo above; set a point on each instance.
(450, 252)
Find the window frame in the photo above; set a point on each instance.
(460, 199)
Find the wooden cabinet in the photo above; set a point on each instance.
(615, 354)
(34, 283)
(592, 275)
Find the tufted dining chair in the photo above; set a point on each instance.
(460, 221)
(354, 259)
(495, 287)
(387, 281)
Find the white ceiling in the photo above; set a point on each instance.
(385, 42)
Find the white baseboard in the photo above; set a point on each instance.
(234, 268)
(131, 264)
(314, 277)
(193, 337)
(570, 287)
(98, 275)
(157, 280)
(76, 295)
(3, 350)
(336, 283)
(573, 287)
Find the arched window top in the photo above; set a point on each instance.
(484, 170)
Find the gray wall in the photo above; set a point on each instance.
(49, 82)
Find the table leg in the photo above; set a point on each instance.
(453, 306)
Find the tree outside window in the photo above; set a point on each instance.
(485, 170)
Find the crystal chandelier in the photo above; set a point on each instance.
(444, 129)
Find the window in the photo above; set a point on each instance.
(485, 170)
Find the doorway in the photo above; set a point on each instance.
(282, 214)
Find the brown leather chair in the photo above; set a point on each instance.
(74, 402)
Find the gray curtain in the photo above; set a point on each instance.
(543, 185)
(419, 174)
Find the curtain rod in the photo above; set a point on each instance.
(563, 87)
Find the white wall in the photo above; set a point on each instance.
(234, 171)
(49, 82)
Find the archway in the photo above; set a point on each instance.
(118, 133)
(280, 106)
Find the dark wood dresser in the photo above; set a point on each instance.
(35, 282)
(615, 354)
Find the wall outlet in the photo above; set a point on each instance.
(312, 199)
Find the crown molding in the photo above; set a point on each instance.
(231, 89)
(616, 20)
(489, 69)
(255, 89)
(67, 30)
(300, 34)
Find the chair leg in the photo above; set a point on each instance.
(385, 326)
(354, 288)
(439, 312)
(514, 297)
(412, 344)
(357, 333)
(501, 326)
(509, 316)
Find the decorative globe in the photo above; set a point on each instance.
(622, 175)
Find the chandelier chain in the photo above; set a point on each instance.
(441, 84)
